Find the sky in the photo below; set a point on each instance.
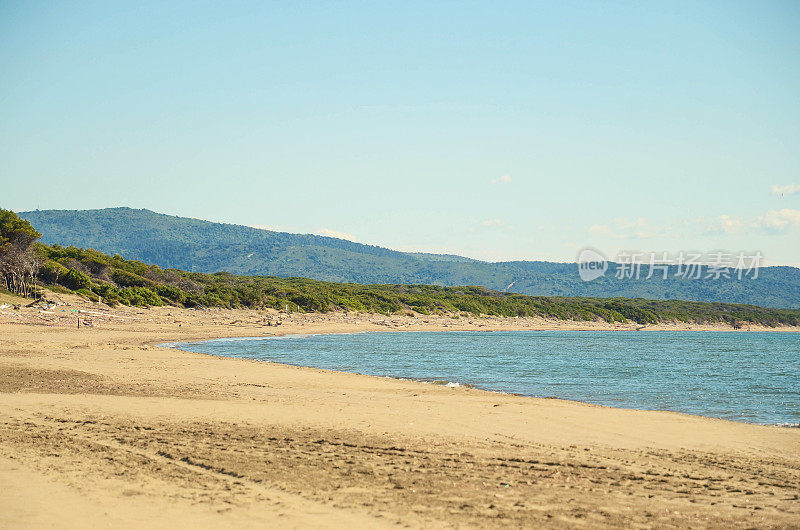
(495, 130)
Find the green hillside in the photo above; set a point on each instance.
(203, 246)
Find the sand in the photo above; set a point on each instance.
(100, 427)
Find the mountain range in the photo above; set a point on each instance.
(205, 246)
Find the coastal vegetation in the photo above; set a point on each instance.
(116, 280)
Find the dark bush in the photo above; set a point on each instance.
(75, 280)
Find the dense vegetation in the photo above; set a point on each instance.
(119, 280)
(194, 245)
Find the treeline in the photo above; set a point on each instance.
(192, 244)
(129, 282)
(116, 280)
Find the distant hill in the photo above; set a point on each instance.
(203, 246)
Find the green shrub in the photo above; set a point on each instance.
(88, 294)
(52, 271)
(75, 280)
(124, 278)
(170, 292)
(139, 296)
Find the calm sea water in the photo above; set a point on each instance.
(753, 377)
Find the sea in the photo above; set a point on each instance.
(743, 376)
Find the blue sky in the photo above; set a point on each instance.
(494, 130)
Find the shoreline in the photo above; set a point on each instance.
(104, 422)
(444, 382)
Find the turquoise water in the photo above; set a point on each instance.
(752, 377)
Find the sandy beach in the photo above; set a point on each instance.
(101, 427)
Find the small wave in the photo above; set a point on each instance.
(450, 384)
(256, 339)
(289, 336)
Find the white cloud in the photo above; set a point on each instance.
(773, 222)
(723, 224)
(601, 230)
(780, 220)
(788, 189)
(504, 179)
(728, 224)
(338, 235)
